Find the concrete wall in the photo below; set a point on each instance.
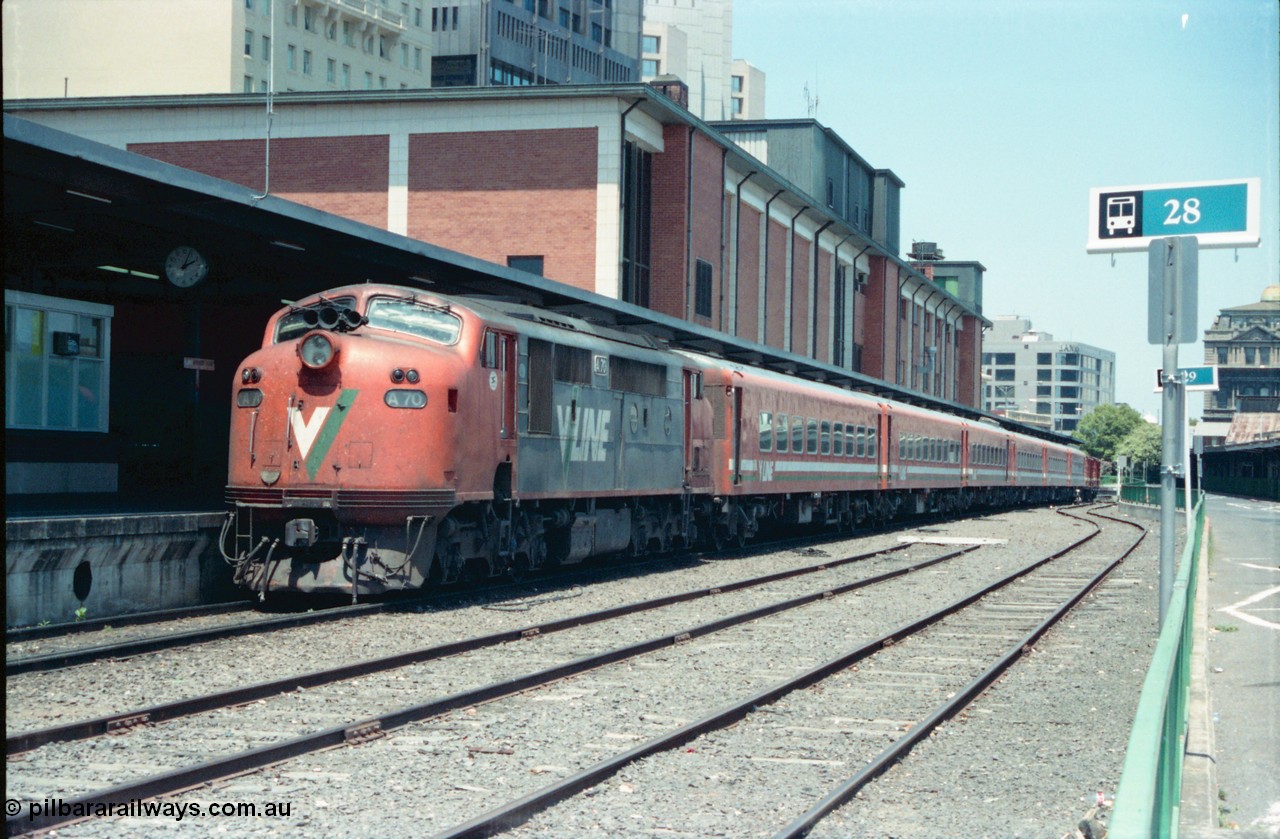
(111, 565)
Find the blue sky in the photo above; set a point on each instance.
(1000, 115)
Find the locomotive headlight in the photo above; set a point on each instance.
(250, 375)
(399, 398)
(317, 350)
(412, 377)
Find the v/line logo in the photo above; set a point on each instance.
(315, 436)
(583, 437)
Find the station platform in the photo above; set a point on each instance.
(69, 558)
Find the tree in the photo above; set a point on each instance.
(1141, 445)
(1102, 429)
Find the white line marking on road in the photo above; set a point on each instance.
(1234, 609)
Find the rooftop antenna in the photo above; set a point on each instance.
(810, 102)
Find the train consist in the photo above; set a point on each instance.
(384, 438)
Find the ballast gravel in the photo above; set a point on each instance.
(1027, 760)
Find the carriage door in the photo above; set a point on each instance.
(500, 361)
(736, 419)
(1011, 463)
(885, 451)
(696, 432)
(964, 457)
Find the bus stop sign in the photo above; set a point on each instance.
(1220, 214)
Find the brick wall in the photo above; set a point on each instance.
(748, 302)
(346, 176)
(496, 194)
(775, 293)
(671, 271)
(822, 308)
(968, 355)
(801, 279)
(707, 236)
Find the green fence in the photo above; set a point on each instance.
(1150, 494)
(1150, 791)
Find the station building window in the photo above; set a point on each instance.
(56, 373)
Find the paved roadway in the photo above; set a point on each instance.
(1242, 669)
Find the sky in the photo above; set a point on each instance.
(1001, 115)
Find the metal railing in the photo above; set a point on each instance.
(1149, 494)
(1150, 791)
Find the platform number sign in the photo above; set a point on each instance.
(1217, 213)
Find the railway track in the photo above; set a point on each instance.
(370, 727)
(898, 686)
(42, 648)
(532, 681)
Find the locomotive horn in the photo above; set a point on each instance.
(310, 318)
(351, 319)
(329, 317)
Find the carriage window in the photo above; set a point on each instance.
(813, 436)
(797, 435)
(826, 437)
(871, 442)
(862, 441)
(837, 439)
(781, 428)
(766, 431)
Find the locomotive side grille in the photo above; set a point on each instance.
(348, 499)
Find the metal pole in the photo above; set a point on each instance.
(1186, 463)
(1169, 427)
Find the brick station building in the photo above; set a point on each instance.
(615, 189)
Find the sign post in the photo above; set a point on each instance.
(1172, 222)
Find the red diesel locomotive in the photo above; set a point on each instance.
(386, 438)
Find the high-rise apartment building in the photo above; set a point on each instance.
(80, 48)
(694, 41)
(1027, 372)
(1244, 344)
(746, 91)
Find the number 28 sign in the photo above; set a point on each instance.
(1220, 214)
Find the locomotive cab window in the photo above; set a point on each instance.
(412, 318)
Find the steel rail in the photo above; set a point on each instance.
(961, 700)
(517, 812)
(373, 727)
(139, 646)
(125, 649)
(124, 720)
(62, 630)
